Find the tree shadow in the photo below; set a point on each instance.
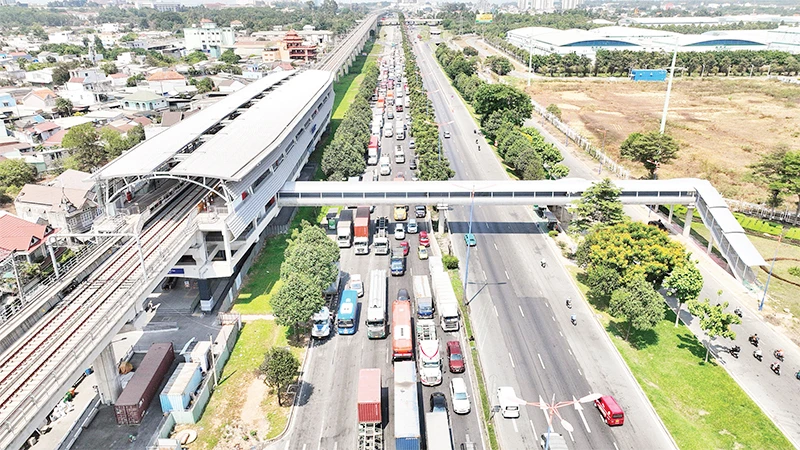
(695, 347)
(638, 339)
(304, 393)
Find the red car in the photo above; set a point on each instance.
(423, 239)
(404, 246)
(455, 357)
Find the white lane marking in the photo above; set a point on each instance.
(571, 437)
(512, 360)
(540, 360)
(553, 317)
(516, 430)
(570, 352)
(304, 446)
(387, 355)
(615, 445)
(520, 310)
(533, 429)
(547, 304)
(335, 445)
(583, 418)
(484, 274)
(560, 334)
(580, 373)
(507, 277)
(287, 444)
(540, 292)
(495, 245)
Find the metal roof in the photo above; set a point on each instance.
(236, 149)
(146, 157)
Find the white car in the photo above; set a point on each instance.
(412, 226)
(459, 396)
(356, 284)
(399, 232)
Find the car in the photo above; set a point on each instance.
(422, 252)
(423, 239)
(411, 144)
(447, 135)
(399, 231)
(356, 284)
(400, 177)
(438, 402)
(470, 240)
(420, 211)
(404, 245)
(415, 177)
(402, 295)
(459, 396)
(413, 164)
(412, 227)
(455, 357)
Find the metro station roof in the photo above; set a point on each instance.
(151, 154)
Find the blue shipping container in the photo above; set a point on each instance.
(648, 75)
(407, 444)
(181, 385)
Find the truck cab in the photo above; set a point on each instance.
(322, 323)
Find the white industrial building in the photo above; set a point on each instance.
(208, 38)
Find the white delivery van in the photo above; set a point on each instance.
(385, 165)
(399, 156)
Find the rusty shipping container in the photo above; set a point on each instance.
(134, 400)
(369, 396)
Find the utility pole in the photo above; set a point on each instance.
(530, 61)
(669, 88)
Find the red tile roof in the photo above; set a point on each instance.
(165, 76)
(45, 126)
(17, 234)
(144, 121)
(76, 80)
(43, 93)
(55, 139)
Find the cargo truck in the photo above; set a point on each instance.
(381, 242)
(322, 323)
(557, 441)
(376, 311)
(437, 431)
(398, 262)
(370, 421)
(385, 165)
(135, 398)
(361, 240)
(446, 302)
(423, 297)
(344, 229)
(430, 358)
(406, 407)
(372, 150)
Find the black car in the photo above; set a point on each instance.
(413, 164)
(420, 211)
(402, 294)
(438, 402)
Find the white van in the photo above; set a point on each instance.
(399, 156)
(509, 403)
(385, 165)
(387, 131)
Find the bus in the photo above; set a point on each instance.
(376, 312)
(402, 347)
(346, 319)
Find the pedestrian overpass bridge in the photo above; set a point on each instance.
(693, 193)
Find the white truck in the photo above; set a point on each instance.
(446, 302)
(557, 441)
(381, 242)
(437, 431)
(344, 229)
(430, 358)
(385, 165)
(423, 297)
(322, 323)
(399, 130)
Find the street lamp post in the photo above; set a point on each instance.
(530, 61)
(771, 267)
(469, 231)
(669, 87)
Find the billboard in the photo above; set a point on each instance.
(483, 18)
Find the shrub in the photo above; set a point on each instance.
(553, 233)
(794, 270)
(450, 262)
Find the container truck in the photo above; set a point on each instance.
(398, 262)
(332, 291)
(406, 407)
(372, 150)
(402, 346)
(361, 240)
(381, 242)
(370, 431)
(423, 297)
(132, 404)
(430, 358)
(183, 383)
(344, 229)
(446, 302)
(376, 312)
(437, 431)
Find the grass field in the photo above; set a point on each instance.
(700, 404)
(723, 125)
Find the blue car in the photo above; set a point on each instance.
(469, 239)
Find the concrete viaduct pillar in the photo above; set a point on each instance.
(687, 223)
(205, 290)
(105, 367)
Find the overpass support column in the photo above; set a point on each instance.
(205, 292)
(687, 223)
(105, 366)
(669, 218)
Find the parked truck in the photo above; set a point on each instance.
(437, 431)
(322, 323)
(370, 430)
(132, 404)
(385, 165)
(344, 229)
(423, 297)
(430, 358)
(557, 441)
(381, 242)
(406, 407)
(446, 302)
(361, 241)
(398, 262)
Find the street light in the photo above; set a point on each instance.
(772, 266)
(469, 231)
(669, 87)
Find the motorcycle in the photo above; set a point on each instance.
(574, 319)
(543, 263)
(775, 368)
(777, 355)
(797, 375)
(757, 355)
(753, 340)
(734, 351)
(738, 312)
(569, 303)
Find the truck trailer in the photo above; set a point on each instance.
(437, 431)
(406, 407)
(361, 240)
(370, 430)
(423, 297)
(344, 229)
(446, 302)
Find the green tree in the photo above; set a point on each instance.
(229, 57)
(638, 303)
(16, 173)
(135, 135)
(298, 298)
(779, 171)
(279, 368)
(63, 107)
(685, 283)
(553, 109)
(83, 141)
(203, 84)
(491, 98)
(109, 68)
(113, 143)
(599, 204)
(499, 64)
(130, 37)
(651, 149)
(602, 281)
(470, 51)
(195, 57)
(61, 74)
(38, 32)
(714, 320)
(325, 247)
(132, 80)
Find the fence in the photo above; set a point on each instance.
(765, 212)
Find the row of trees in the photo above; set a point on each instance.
(503, 110)
(344, 156)
(621, 62)
(91, 148)
(627, 262)
(432, 164)
(779, 172)
(499, 64)
(309, 267)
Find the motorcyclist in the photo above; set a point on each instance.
(775, 367)
(569, 303)
(757, 353)
(475, 131)
(574, 319)
(544, 263)
(754, 338)
(779, 353)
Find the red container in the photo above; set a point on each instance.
(369, 396)
(134, 400)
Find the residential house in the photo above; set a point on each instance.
(143, 101)
(86, 87)
(23, 237)
(37, 134)
(40, 99)
(209, 38)
(8, 104)
(41, 76)
(228, 86)
(119, 80)
(166, 82)
(69, 202)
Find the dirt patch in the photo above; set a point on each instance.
(723, 125)
(253, 418)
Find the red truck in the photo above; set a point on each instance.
(370, 433)
(361, 241)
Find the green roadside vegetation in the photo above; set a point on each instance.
(700, 404)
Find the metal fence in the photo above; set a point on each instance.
(786, 215)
